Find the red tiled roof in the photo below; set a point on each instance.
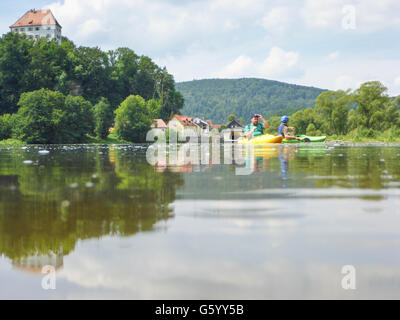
(185, 120)
(216, 126)
(36, 18)
(159, 123)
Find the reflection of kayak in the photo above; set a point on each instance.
(264, 139)
(266, 152)
(306, 139)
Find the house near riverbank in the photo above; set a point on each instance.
(184, 125)
(159, 124)
(237, 129)
(38, 24)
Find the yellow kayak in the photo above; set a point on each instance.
(264, 139)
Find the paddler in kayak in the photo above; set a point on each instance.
(283, 129)
(256, 128)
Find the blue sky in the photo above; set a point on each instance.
(332, 44)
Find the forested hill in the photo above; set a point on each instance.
(217, 98)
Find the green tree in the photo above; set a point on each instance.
(154, 106)
(372, 100)
(14, 62)
(73, 121)
(274, 123)
(133, 119)
(172, 100)
(103, 118)
(45, 116)
(311, 130)
(34, 123)
(7, 123)
(231, 117)
(334, 106)
(303, 118)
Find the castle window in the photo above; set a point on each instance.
(37, 28)
(30, 29)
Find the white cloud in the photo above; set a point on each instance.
(370, 15)
(91, 26)
(277, 19)
(241, 67)
(350, 73)
(278, 62)
(332, 56)
(397, 82)
(344, 82)
(326, 13)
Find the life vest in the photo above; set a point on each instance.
(280, 130)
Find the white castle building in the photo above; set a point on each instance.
(38, 24)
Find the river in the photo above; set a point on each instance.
(308, 222)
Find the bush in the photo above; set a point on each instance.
(311, 130)
(73, 122)
(34, 122)
(133, 119)
(103, 118)
(47, 117)
(6, 126)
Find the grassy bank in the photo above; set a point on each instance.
(12, 142)
(365, 136)
(111, 139)
(351, 138)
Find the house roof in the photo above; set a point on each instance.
(185, 120)
(159, 123)
(36, 18)
(234, 123)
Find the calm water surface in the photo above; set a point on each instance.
(115, 226)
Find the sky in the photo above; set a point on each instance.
(330, 44)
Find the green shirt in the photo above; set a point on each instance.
(258, 132)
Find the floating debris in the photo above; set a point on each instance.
(73, 185)
(28, 162)
(65, 204)
(44, 152)
(89, 184)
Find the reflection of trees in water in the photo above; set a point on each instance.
(300, 166)
(44, 211)
(357, 167)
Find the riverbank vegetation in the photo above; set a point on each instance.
(51, 93)
(366, 114)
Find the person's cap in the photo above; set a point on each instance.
(255, 116)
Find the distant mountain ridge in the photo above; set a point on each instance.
(215, 99)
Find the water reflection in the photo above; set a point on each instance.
(75, 194)
(284, 230)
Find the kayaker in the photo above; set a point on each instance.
(283, 129)
(256, 128)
